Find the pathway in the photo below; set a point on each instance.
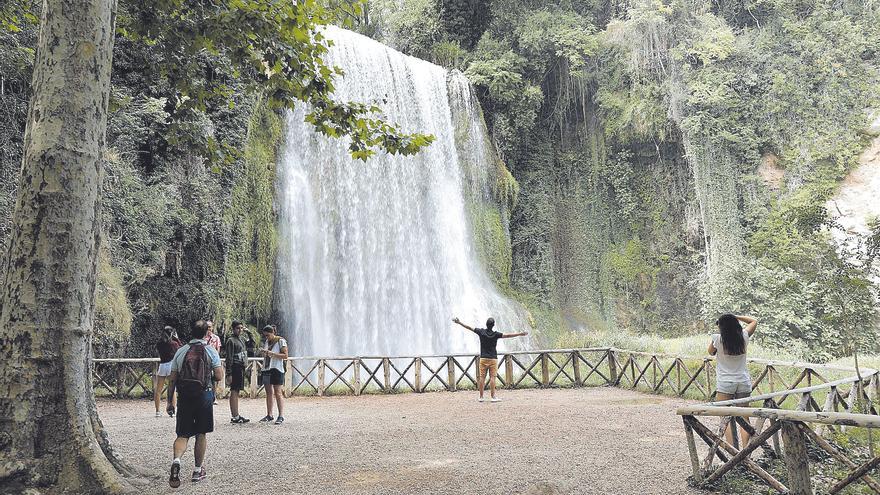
(535, 442)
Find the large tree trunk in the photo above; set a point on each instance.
(48, 421)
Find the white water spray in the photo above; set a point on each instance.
(375, 258)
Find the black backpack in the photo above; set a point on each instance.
(194, 376)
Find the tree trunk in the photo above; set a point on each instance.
(49, 432)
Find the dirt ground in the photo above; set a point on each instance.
(536, 442)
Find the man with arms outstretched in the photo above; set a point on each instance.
(488, 354)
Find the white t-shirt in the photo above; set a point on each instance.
(276, 363)
(731, 368)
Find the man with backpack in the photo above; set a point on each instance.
(193, 370)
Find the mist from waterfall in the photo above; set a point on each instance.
(376, 258)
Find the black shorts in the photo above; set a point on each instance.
(236, 372)
(195, 415)
(276, 377)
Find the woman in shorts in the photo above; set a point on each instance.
(274, 360)
(729, 347)
(166, 348)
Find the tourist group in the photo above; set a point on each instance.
(193, 368)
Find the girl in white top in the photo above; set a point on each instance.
(729, 347)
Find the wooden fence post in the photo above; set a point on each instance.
(576, 365)
(796, 459)
(692, 449)
(357, 376)
(545, 370)
(418, 373)
(252, 393)
(613, 379)
(120, 380)
(153, 381)
(678, 377)
(708, 367)
(386, 369)
(450, 374)
(288, 379)
(321, 386)
(508, 371)
(770, 370)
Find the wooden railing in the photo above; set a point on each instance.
(133, 377)
(805, 423)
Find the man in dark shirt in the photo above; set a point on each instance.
(488, 354)
(235, 350)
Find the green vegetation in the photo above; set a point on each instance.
(188, 223)
(247, 288)
(630, 195)
(636, 133)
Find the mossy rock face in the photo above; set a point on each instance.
(247, 288)
(113, 316)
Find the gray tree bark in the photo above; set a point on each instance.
(49, 432)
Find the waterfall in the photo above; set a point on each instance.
(376, 258)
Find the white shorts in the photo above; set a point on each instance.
(738, 390)
(164, 369)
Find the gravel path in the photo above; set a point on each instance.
(535, 442)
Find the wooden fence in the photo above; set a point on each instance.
(133, 377)
(807, 423)
(681, 376)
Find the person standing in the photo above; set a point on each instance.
(212, 338)
(213, 341)
(488, 354)
(250, 343)
(274, 353)
(236, 363)
(194, 369)
(166, 347)
(732, 378)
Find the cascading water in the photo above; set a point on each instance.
(375, 258)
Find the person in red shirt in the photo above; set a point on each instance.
(213, 341)
(212, 338)
(165, 348)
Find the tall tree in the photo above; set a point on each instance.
(50, 434)
(48, 290)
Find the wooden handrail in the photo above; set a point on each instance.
(349, 358)
(826, 418)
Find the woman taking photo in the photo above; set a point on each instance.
(274, 360)
(729, 347)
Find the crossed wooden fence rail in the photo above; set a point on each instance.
(790, 394)
(807, 423)
(133, 377)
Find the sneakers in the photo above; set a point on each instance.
(158, 414)
(495, 399)
(481, 400)
(280, 420)
(174, 479)
(267, 419)
(199, 475)
(170, 411)
(240, 420)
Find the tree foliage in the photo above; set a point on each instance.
(274, 47)
(594, 104)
